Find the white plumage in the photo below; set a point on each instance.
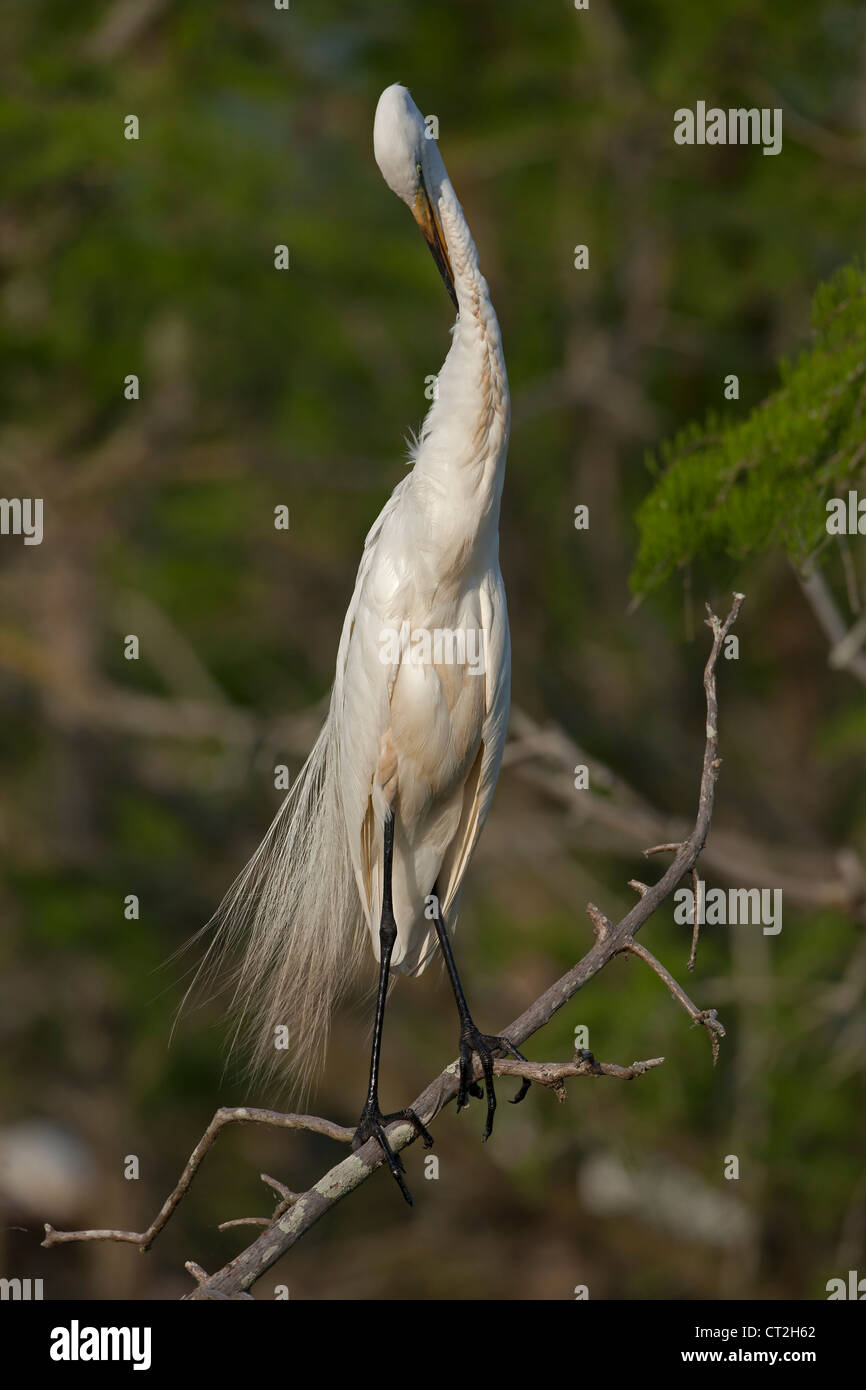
(420, 739)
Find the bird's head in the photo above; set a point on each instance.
(412, 167)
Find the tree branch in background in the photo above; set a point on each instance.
(611, 817)
(846, 644)
(296, 1213)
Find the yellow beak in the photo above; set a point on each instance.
(427, 217)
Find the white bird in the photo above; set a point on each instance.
(380, 827)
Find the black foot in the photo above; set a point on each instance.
(372, 1126)
(474, 1042)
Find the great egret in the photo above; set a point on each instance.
(379, 829)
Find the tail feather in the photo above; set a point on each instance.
(294, 917)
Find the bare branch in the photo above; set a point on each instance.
(296, 1213)
(552, 1074)
(706, 1017)
(287, 1199)
(241, 1115)
(845, 653)
(287, 1195)
(245, 1221)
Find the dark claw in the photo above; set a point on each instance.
(524, 1087)
(525, 1083)
(372, 1126)
(483, 1045)
(411, 1118)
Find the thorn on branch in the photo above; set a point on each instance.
(601, 925)
(288, 1196)
(246, 1221)
(709, 1020)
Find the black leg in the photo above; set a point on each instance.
(372, 1122)
(472, 1040)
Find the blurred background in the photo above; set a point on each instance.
(262, 387)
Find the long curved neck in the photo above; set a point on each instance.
(460, 460)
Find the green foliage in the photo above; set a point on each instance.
(740, 487)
